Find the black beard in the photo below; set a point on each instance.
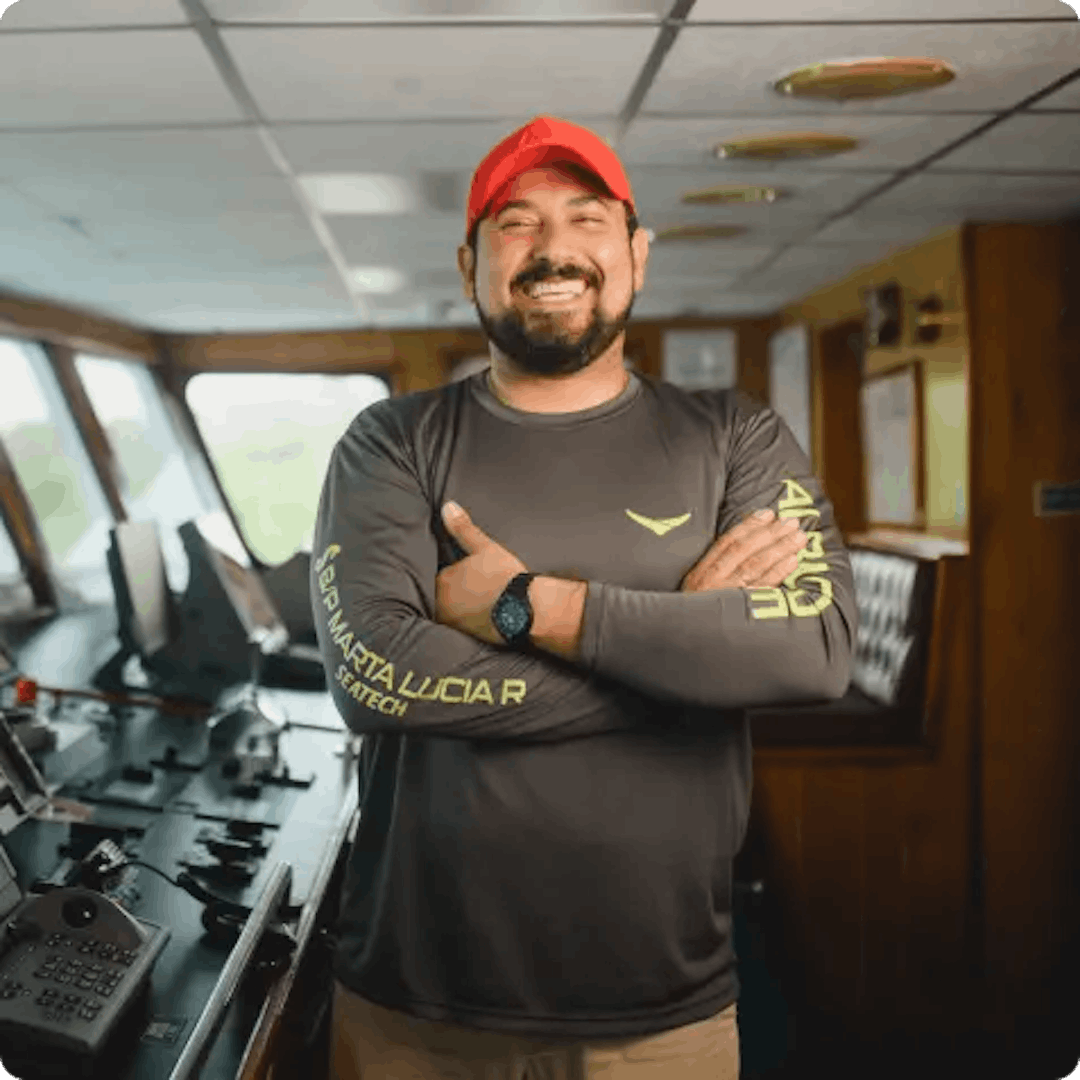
(553, 354)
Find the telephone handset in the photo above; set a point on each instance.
(71, 961)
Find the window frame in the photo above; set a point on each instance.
(389, 374)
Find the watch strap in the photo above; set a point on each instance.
(517, 588)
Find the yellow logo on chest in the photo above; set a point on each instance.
(660, 526)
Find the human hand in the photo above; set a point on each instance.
(759, 551)
(466, 590)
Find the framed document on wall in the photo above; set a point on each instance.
(892, 428)
(789, 380)
(701, 359)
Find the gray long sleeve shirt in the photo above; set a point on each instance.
(546, 848)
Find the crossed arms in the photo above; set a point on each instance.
(411, 647)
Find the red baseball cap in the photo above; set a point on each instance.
(541, 141)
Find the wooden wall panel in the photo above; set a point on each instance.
(840, 465)
(421, 359)
(1025, 406)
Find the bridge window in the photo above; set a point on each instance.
(156, 478)
(53, 467)
(15, 594)
(270, 436)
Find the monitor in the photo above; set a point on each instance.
(247, 594)
(144, 603)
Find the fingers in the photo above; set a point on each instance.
(460, 526)
(774, 561)
(748, 540)
(776, 574)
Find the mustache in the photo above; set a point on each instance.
(546, 271)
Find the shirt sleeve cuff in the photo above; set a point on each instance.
(592, 624)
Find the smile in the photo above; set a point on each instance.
(554, 292)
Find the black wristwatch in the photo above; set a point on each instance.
(512, 614)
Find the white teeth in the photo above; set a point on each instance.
(555, 289)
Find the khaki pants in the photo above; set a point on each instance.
(369, 1042)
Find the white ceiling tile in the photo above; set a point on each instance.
(97, 157)
(53, 14)
(894, 228)
(974, 196)
(1026, 141)
(703, 258)
(809, 198)
(799, 271)
(242, 225)
(664, 283)
(120, 198)
(412, 242)
(438, 277)
(173, 300)
(314, 11)
(886, 142)
(659, 189)
(997, 65)
(90, 256)
(405, 146)
(836, 259)
(1068, 97)
(759, 231)
(872, 10)
(317, 74)
(130, 77)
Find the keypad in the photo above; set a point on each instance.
(93, 967)
(12, 988)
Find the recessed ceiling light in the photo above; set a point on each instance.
(787, 145)
(376, 280)
(882, 76)
(360, 193)
(732, 193)
(700, 232)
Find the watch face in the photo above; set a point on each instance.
(511, 617)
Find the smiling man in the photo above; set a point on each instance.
(545, 596)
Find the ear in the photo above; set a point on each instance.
(639, 249)
(466, 267)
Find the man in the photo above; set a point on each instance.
(544, 599)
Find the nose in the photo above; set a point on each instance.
(552, 246)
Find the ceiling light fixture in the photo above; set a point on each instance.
(882, 76)
(788, 145)
(376, 280)
(732, 193)
(700, 232)
(360, 193)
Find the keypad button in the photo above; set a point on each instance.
(106, 991)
